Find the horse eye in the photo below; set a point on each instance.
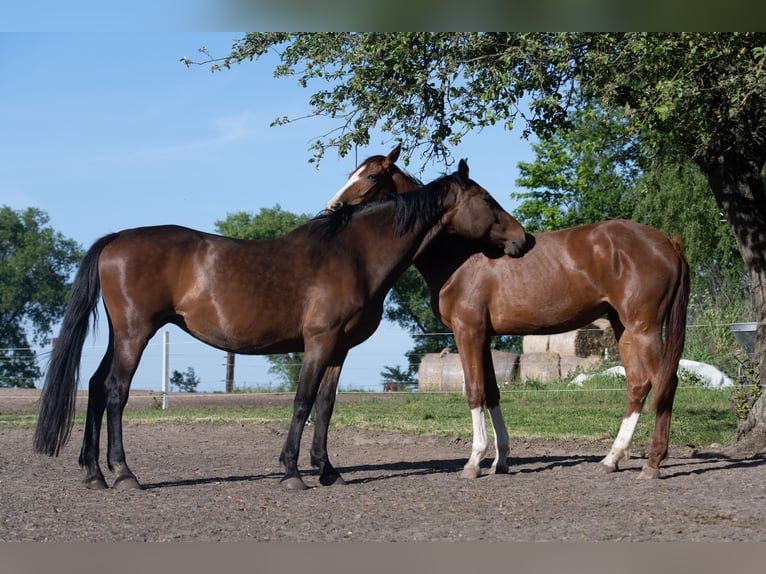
(373, 177)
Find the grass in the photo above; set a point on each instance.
(701, 417)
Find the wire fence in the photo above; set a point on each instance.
(361, 372)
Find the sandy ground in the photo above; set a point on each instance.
(221, 483)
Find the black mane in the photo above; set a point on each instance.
(411, 209)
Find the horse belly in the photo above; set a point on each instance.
(514, 300)
(244, 332)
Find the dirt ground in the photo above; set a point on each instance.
(221, 483)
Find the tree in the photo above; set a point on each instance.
(701, 96)
(35, 265)
(268, 224)
(185, 382)
(584, 174)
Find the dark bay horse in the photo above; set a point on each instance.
(635, 275)
(318, 289)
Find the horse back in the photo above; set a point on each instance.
(567, 279)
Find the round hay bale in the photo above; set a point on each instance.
(592, 339)
(542, 367)
(535, 344)
(439, 372)
(569, 365)
(506, 367)
(608, 340)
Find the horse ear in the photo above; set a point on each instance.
(462, 169)
(394, 155)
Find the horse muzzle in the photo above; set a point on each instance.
(516, 247)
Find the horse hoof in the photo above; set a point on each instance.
(332, 479)
(294, 483)
(499, 470)
(649, 473)
(608, 468)
(470, 472)
(127, 483)
(97, 483)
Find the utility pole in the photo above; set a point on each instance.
(229, 372)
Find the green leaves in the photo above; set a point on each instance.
(268, 223)
(35, 264)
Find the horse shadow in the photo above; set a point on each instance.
(699, 464)
(392, 470)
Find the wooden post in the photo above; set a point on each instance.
(229, 372)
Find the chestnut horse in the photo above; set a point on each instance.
(318, 289)
(634, 274)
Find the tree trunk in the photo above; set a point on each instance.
(738, 187)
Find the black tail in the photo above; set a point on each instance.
(57, 401)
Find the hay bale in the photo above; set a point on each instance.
(542, 367)
(608, 340)
(440, 372)
(593, 339)
(444, 373)
(569, 365)
(535, 344)
(506, 367)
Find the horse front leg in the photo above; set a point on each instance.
(478, 376)
(325, 404)
(637, 386)
(492, 398)
(315, 361)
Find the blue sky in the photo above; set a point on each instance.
(106, 131)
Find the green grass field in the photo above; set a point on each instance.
(701, 417)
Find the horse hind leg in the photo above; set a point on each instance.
(89, 453)
(117, 386)
(658, 451)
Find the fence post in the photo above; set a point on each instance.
(165, 367)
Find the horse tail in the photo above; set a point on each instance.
(675, 334)
(57, 400)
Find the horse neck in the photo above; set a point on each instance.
(374, 230)
(437, 260)
(405, 183)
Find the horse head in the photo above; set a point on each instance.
(375, 177)
(477, 215)
(379, 175)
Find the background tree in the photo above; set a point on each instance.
(268, 223)
(185, 382)
(583, 174)
(35, 266)
(591, 172)
(700, 96)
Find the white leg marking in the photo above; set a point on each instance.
(502, 443)
(353, 178)
(480, 444)
(622, 442)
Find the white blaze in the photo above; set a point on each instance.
(354, 178)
